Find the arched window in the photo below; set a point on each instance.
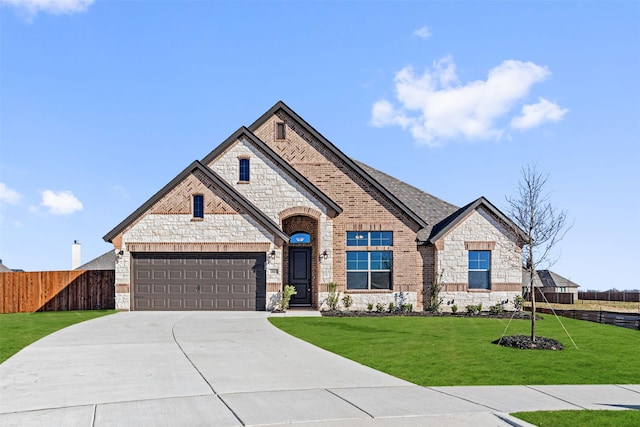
(300, 238)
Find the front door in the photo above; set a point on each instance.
(300, 276)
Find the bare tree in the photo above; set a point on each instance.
(542, 224)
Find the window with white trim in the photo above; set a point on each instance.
(369, 269)
(479, 269)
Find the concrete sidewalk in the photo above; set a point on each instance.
(234, 369)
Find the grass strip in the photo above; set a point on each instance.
(18, 330)
(448, 351)
(580, 418)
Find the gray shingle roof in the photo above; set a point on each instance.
(4, 268)
(554, 280)
(430, 208)
(106, 261)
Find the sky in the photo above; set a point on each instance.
(104, 102)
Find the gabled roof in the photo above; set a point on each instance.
(550, 279)
(243, 131)
(256, 213)
(335, 151)
(452, 220)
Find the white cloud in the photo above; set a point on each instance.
(435, 107)
(536, 114)
(8, 196)
(423, 32)
(62, 203)
(56, 7)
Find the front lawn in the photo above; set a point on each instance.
(447, 351)
(582, 418)
(18, 330)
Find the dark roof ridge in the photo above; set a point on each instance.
(196, 165)
(338, 153)
(244, 131)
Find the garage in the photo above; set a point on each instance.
(199, 281)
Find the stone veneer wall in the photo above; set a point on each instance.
(479, 229)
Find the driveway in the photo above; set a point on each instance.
(233, 369)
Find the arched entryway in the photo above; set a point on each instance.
(299, 253)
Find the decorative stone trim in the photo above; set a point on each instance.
(198, 247)
(479, 246)
(439, 244)
(274, 287)
(122, 288)
(299, 210)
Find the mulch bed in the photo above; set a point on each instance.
(506, 315)
(524, 342)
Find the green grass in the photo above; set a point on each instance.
(18, 330)
(447, 351)
(582, 418)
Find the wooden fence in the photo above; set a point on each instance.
(25, 292)
(552, 297)
(609, 296)
(626, 320)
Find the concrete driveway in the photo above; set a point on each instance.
(233, 369)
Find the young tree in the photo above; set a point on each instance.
(542, 224)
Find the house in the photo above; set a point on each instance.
(551, 282)
(277, 203)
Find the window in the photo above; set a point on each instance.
(369, 238)
(198, 206)
(300, 238)
(244, 170)
(280, 131)
(369, 269)
(479, 269)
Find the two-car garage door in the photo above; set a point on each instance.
(199, 281)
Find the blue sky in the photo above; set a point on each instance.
(102, 103)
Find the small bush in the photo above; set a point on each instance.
(380, 308)
(409, 307)
(518, 303)
(391, 308)
(334, 297)
(285, 296)
(347, 301)
(496, 309)
(370, 307)
(454, 309)
(474, 310)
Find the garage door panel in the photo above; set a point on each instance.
(209, 281)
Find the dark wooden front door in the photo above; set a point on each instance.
(300, 276)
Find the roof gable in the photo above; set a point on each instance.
(281, 106)
(196, 166)
(450, 222)
(244, 132)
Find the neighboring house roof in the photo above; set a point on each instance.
(243, 131)
(343, 157)
(430, 208)
(256, 213)
(106, 261)
(547, 279)
(550, 279)
(4, 268)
